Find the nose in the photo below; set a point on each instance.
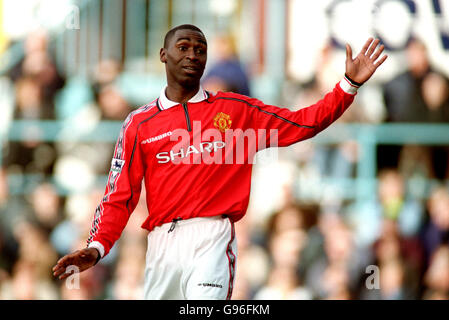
(191, 55)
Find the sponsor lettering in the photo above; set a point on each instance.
(157, 138)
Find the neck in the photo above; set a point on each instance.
(179, 93)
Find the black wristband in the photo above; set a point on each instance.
(98, 257)
(357, 84)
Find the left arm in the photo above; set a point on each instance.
(307, 122)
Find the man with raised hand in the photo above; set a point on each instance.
(193, 203)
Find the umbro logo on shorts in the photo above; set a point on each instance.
(210, 285)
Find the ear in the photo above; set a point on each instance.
(162, 55)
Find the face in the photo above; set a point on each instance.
(185, 57)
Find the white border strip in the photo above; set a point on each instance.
(347, 87)
(97, 245)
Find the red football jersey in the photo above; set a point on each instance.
(196, 158)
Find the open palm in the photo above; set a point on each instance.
(364, 65)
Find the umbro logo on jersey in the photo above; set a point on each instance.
(117, 165)
(157, 138)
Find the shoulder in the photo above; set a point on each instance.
(142, 113)
(221, 94)
(236, 97)
(139, 115)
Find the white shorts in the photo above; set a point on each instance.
(196, 260)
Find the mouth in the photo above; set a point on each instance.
(190, 69)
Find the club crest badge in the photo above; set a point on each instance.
(222, 121)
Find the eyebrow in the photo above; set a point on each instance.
(189, 39)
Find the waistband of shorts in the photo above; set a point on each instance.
(166, 226)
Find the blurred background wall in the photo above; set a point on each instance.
(372, 190)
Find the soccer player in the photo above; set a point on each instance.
(187, 148)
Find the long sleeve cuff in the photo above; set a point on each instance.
(348, 86)
(97, 245)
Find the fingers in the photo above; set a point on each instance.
(372, 47)
(366, 46)
(60, 267)
(348, 52)
(65, 261)
(62, 274)
(62, 264)
(377, 53)
(57, 272)
(378, 63)
(66, 275)
(370, 51)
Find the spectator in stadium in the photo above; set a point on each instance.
(40, 210)
(29, 276)
(403, 94)
(105, 74)
(288, 218)
(283, 280)
(392, 283)
(30, 155)
(396, 204)
(420, 94)
(392, 246)
(392, 202)
(335, 284)
(285, 240)
(227, 73)
(436, 279)
(436, 231)
(77, 207)
(342, 261)
(38, 63)
(435, 90)
(46, 206)
(27, 284)
(126, 283)
(110, 105)
(415, 161)
(295, 216)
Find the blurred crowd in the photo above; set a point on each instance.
(303, 247)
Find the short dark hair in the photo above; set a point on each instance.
(172, 32)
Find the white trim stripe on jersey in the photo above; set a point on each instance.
(113, 177)
(231, 259)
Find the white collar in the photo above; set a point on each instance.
(165, 103)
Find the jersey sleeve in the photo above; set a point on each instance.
(293, 126)
(122, 191)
